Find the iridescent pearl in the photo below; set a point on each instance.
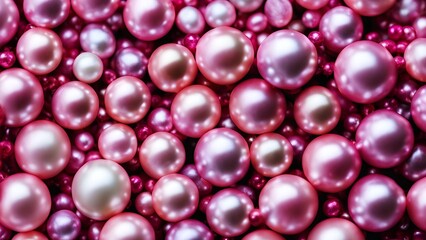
(336, 228)
(75, 105)
(39, 50)
(376, 203)
(130, 61)
(224, 55)
(10, 20)
(221, 157)
(257, 22)
(190, 20)
(416, 206)
(24, 202)
(118, 143)
(263, 234)
(312, 4)
(46, 13)
(126, 226)
(63, 224)
(88, 67)
(418, 108)
(21, 96)
(287, 59)
(100, 199)
(143, 204)
(95, 10)
(175, 197)
(228, 211)
(370, 7)
(278, 12)
(365, 72)
(98, 39)
(189, 229)
(384, 139)
(246, 5)
(195, 110)
(414, 168)
(31, 235)
(160, 120)
(172, 67)
(289, 213)
(127, 99)
(420, 27)
(149, 20)
(220, 13)
(415, 57)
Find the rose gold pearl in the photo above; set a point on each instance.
(118, 143)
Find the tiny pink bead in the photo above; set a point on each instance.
(190, 20)
(389, 45)
(77, 160)
(95, 10)
(332, 207)
(7, 59)
(143, 204)
(395, 32)
(278, 12)
(136, 184)
(409, 33)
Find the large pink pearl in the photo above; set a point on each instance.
(370, 7)
(98, 39)
(365, 72)
(126, 226)
(220, 13)
(336, 228)
(224, 55)
(43, 149)
(222, 157)
(384, 139)
(162, 153)
(376, 203)
(312, 4)
(101, 189)
(257, 107)
(418, 108)
(416, 206)
(175, 197)
(149, 20)
(278, 12)
(95, 10)
(228, 212)
(75, 105)
(190, 20)
(127, 99)
(415, 57)
(263, 234)
(246, 5)
(172, 67)
(31, 235)
(292, 212)
(189, 229)
(24, 202)
(46, 13)
(21, 96)
(9, 22)
(287, 59)
(118, 143)
(195, 110)
(39, 50)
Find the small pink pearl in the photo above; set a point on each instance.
(9, 27)
(137, 184)
(418, 108)
(95, 10)
(332, 207)
(160, 120)
(130, 61)
(395, 32)
(367, 8)
(98, 39)
(257, 22)
(311, 19)
(220, 13)
(7, 59)
(143, 204)
(118, 143)
(190, 20)
(84, 141)
(312, 4)
(278, 12)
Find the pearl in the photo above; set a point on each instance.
(414, 168)
(160, 120)
(88, 67)
(101, 189)
(312, 4)
(418, 108)
(407, 11)
(9, 24)
(143, 204)
(262, 234)
(130, 61)
(370, 8)
(95, 10)
(415, 56)
(125, 226)
(224, 55)
(63, 224)
(246, 5)
(189, 229)
(278, 12)
(420, 27)
(98, 39)
(118, 143)
(24, 202)
(257, 22)
(31, 235)
(220, 13)
(287, 59)
(46, 13)
(190, 20)
(221, 157)
(376, 203)
(336, 228)
(21, 96)
(416, 204)
(39, 50)
(365, 72)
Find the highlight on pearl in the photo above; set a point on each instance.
(88, 67)
(130, 61)
(415, 56)
(46, 13)
(127, 226)
(416, 203)
(336, 228)
(220, 13)
(190, 20)
(8, 28)
(418, 108)
(98, 39)
(95, 10)
(118, 143)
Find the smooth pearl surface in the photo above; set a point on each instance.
(130, 62)
(376, 203)
(416, 205)
(127, 99)
(190, 20)
(287, 59)
(317, 110)
(172, 67)
(195, 110)
(95, 10)
(75, 105)
(221, 157)
(63, 224)
(101, 189)
(143, 204)
(21, 96)
(43, 149)
(420, 27)
(46, 13)
(126, 226)
(263, 234)
(220, 13)
(415, 57)
(24, 202)
(9, 21)
(418, 108)
(118, 143)
(31, 235)
(246, 5)
(312, 4)
(98, 39)
(224, 55)
(370, 7)
(336, 228)
(189, 229)
(365, 72)
(228, 211)
(384, 139)
(175, 197)
(278, 12)
(149, 20)
(88, 67)
(414, 167)
(292, 212)
(162, 153)
(257, 107)
(39, 50)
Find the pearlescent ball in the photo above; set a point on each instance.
(263, 234)
(189, 229)
(31, 235)
(416, 206)
(220, 13)
(88, 67)
(420, 26)
(336, 228)
(46, 13)
(312, 4)
(418, 108)
(190, 20)
(95, 10)
(143, 204)
(278, 12)
(9, 24)
(370, 8)
(98, 39)
(63, 224)
(415, 57)
(118, 143)
(130, 61)
(124, 226)
(246, 5)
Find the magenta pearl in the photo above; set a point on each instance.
(312, 4)
(130, 61)
(8, 28)
(415, 56)
(95, 10)
(46, 13)
(415, 204)
(31, 235)
(335, 228)
(189, 229)
(414, 168)
(278, 12)
(118, 143)
(143, 204)
(370, 8)
(418, 108)
(127, 226)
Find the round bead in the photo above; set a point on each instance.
(98, 39)
(312, 4)
(63, 224)
(130, 62)
(118, 143)
(189, 229)
(95, 10)
(220, 13)
(278, 12)
(8, 28)
(88, 67)
(125, 226)
(418, 108)
(370, 8)
(190, 20)
(263, 234)
(46, 13)
(246, 5)
(414, 168)
(336, 228)
(415, 57)
(416, 206)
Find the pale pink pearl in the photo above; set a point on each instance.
(246, 5)
(32, 235)
(336, 228)
(118, 143)
(98, 39)
(39, 50)
(418, 108)
(143, 204)
(370, 7)
(415, 57)
(420, 27)
(220, 13)
(312, 4)
(416, 206)
(190, 20)
(9, 24)
(126, 226)
(95, 10)
(46, 13)
(263, 234)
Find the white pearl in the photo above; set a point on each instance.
(88, 67)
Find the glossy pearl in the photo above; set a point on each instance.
(21, 96)
(143, 204)
(190, 20)
(262, 234)
(98, 39)
(370, 7)
(175, 197)
(312, 4)
(420, 27)
(118, 143)
(95, 10)
(384, 139)
(416, 205)
(407, 11)
(376, 203)
(127, 99)
(365, 72)
(63, 224)
(287, 59)
(172, 67)
(414, 167)
(39, 50)
(221, 157)
(24, 202)
(246, 5)
(292, 212)
(317, 110)
(9, 24)
(418, 108)
(125, 226)
(195, 110)
(415, 56)
(130, 62)
(46, 13)
(75, 105)
(224, 55)
(149, 20)
(88, 67)
(101, 189)
(189, 229)
(336, 228)
(220, 13)
(278, 12)
(228, 211)
(31, 235)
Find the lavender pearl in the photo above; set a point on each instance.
(126, 226)
(418, 108)
(190, 20)
(414, 168)
(130, 62)
(262, 234)
(63, 224)
(416, 206)
(370, 7)
(406, 11)
(336, 228)
(189, 229)
(9, 21)
(95, 10)
(46, 13)
(278, 12)
(415, 56)
(98, 39)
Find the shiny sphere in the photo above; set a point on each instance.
(143, 204)
(263, 234)
(88, 67)
(124, 226)
(98, 39)
(246, 5)
(414, 168)
(9, 22)
(190, 20)
(63, 224)
(46, 13)
(312, 4)
(189, 229)
(31, 235)
(416, 206)
(130, 61)
(420, 26)
(95, 10)
(118, 143)
(220, 13)
(418, 108)
(415, 57)
(370, 8)
(278, 12)
(336, 228)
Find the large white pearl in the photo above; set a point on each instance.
(88, 67)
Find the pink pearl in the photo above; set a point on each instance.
(278, 12)
(311, 18)
(31, 235)
(46, 13)
(220, 13)
(416, 207)
(365, 72)
(39, 50)
(98, 39)
(63, 224)
(9, 25)
(130, 62)
(84, 141)
(289, 213)
(127, 99)
(190, 20)
(149, 20)
(376, 203)
(415, 56)
(420, 27)
(263, 234)
(118, 143)
(418, 108)
(24, 202)
(257, 22)
(414, 168)
(406, 11)
(160, 120)
(312, 4)
(224, 55)
(127, 226)
(95, 10)
(21, 96)
(246, 5)
(190, 228)
(370, 7)
(143, 204)
(88, 67)
(335, 228)
(222, 157)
